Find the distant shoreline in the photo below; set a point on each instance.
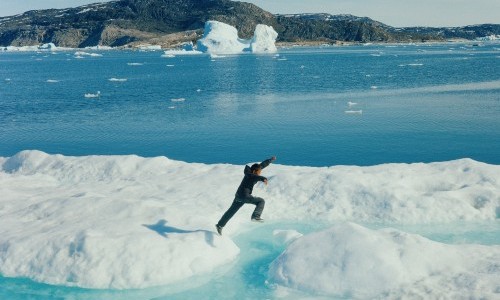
(279, 45)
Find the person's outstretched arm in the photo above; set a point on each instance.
(267, 162)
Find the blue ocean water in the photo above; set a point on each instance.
(414, 103)
(359, 105)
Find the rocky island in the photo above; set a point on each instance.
(170, 23)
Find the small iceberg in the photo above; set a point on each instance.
(178, 99)
(97, 95)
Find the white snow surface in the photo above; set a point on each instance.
(132, 222)
(221, 38)
(351, 261)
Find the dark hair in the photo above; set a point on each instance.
(255, 167)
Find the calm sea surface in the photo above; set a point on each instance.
(360, 105)
(309, 106)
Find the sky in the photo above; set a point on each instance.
(398, 13)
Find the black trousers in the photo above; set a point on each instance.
(238, 203)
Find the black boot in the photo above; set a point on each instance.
(219, 229)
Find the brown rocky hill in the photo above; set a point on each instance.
(172, 22)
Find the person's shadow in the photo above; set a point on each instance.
(162, 229)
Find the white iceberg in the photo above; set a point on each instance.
(350, 261)
(264, 39)
(221, 38)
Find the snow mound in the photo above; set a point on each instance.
(348, 260)
(96, 228)
(221, 38)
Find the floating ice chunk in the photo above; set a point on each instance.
(186, 49)
(135, 64)
(351, 103)
(411, 65)
(173, 53)
(118, 79)
(178, 99)
(170, 66)
(82, 53)
(89, 95)
(171, 107)
(213, 55)
(374, 87)
(198, 90)
(52, 81)
(354, 112)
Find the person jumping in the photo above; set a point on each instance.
(244, 194)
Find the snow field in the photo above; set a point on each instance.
(125, 222)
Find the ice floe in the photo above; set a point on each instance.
(132, 222)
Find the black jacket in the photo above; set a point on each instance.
(246, 187)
